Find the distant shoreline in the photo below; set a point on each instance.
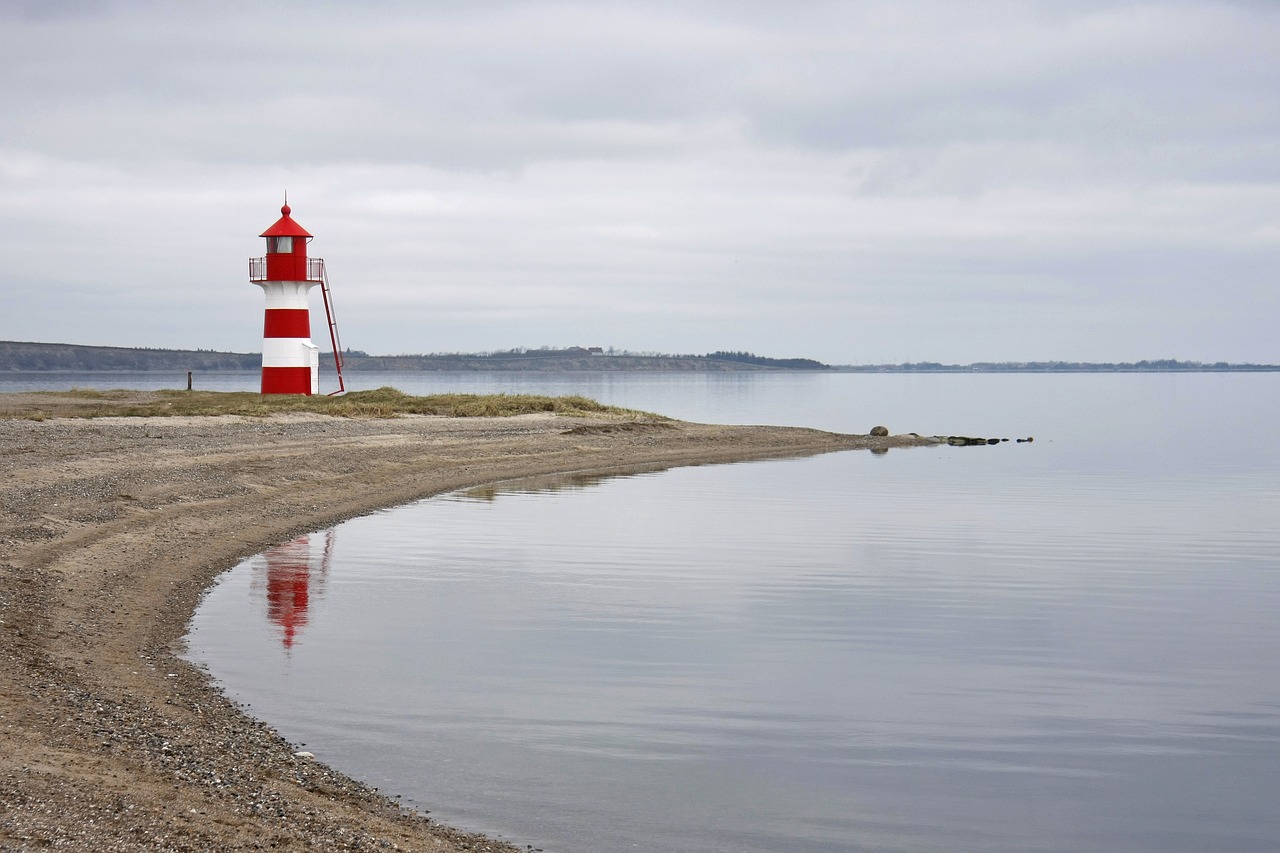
(1083, 367)
(53, 358)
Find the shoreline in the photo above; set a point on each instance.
(112, 530)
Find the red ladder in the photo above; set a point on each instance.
(333, 327)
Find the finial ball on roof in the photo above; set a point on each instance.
(286, 210)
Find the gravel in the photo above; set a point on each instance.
(112, 529)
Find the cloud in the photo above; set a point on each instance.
(844, 180)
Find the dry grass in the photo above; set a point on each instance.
(380, 403)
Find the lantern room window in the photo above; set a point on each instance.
(280, 245)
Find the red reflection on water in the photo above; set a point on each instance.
(292, 569)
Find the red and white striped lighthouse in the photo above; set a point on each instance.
(290, 361)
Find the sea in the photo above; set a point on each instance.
(1065, 641)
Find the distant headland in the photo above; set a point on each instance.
(26, 356)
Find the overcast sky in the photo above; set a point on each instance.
(856, 182)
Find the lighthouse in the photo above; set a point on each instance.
(290, 361)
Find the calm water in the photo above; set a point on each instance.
(1058, 646)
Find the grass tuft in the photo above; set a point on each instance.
(385, 402)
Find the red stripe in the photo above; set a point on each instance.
(286, 380)
(287, 323)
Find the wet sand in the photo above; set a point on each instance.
(111, 529)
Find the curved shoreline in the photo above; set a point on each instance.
(112, 529)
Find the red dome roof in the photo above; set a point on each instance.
(285, 227)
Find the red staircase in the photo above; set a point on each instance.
(327, 293)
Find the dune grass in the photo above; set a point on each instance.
(383, 402)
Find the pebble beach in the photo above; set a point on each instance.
(112, 529)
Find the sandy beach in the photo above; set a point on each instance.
(111, 529)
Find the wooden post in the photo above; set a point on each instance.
(188, 380)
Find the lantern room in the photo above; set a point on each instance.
(286, 258)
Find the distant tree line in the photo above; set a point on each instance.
(28, 356)
(15, 356)
(583, 358)
(752, 358)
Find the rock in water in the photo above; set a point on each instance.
(879, 431)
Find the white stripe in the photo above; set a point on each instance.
(286, 294)
(287, 352)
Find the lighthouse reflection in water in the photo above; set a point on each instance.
(290, 575)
